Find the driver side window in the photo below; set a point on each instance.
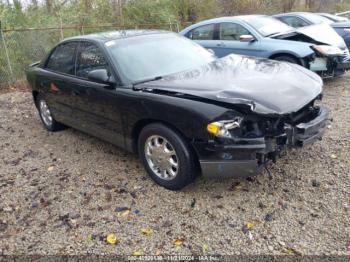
(90, 58)
(232, 32)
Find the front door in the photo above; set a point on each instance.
(229, 41)
(96, 108)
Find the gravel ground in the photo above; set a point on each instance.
(62, 193)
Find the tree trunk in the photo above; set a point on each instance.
(48, 4)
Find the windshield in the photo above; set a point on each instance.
(267, 25)
(146, 57)
(317, 19)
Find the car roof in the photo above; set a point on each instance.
(114, 35)
(225, 18)
(343, 13)
(294, 13)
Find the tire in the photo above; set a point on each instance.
(45, 115)
(172, 142)
(285, 58)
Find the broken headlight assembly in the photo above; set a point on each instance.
(224, 128)
(328, 50)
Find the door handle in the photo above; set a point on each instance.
(75, 93)
(220, 44)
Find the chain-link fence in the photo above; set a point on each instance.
(21, 47)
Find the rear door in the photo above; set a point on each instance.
(55, 80)
(229, 35)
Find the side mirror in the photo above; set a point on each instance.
(246, 38)
(101, 76)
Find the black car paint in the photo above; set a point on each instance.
(188, 101)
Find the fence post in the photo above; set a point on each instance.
(61, 29)
(6, 51)
(170, 25)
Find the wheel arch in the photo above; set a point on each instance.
(291, 55)
(139, 125)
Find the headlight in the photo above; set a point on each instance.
(328, 50)
(222, 128)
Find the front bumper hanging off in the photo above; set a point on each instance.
(330, 66)
(249, 158)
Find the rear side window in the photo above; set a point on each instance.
(231, 31)
(205, 32)
(90, 58)
(63, 59)
(293, 21)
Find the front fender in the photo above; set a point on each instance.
(294, 48)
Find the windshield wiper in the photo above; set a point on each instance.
(146, 80)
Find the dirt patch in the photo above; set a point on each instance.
(62, 193)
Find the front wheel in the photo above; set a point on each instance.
(166, 156)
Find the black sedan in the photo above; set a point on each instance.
(184, 111)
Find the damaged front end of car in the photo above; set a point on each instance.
(241, 147)
(329, 61)
(331, 56)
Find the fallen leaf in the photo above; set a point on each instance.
(123, 213)
(50, 168)
(290, 250)
(91, 237)
(158, 252)
(250, 226)
(193, 203)
(136, 212)
(178, 242)
(146, 231)
(205, 248)
(137, 253)
(112, 239)
(269, 217)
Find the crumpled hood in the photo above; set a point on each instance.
(323, 33)
(267, 86)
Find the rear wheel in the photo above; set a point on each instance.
(285, 58)
(46, 116)
(166, 156)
